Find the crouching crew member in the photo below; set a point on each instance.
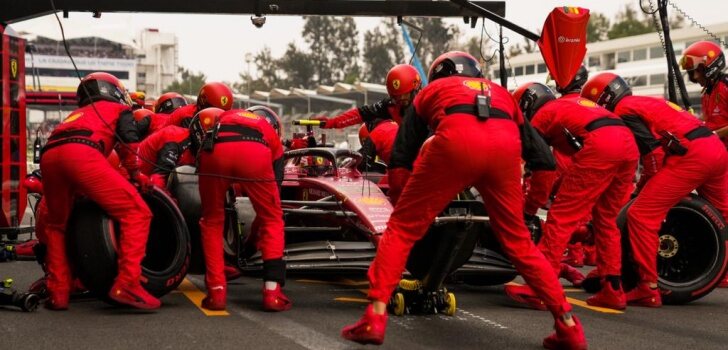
(461, 106)
(694, 159)
(74, 162)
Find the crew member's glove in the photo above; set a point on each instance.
(298, 144)
(130, 158)
(397, 179)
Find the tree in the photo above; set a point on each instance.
(334, 48)
(436, 39)
(189, 83)
(597, 28)
(382, 51)
(297, 67)
(628, 24)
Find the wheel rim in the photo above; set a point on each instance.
(688, 248)
(398, 304)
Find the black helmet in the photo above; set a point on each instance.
(582, 75)
(100, 86)
(455, 63)
(531, 97)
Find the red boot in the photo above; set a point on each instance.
(571, 274)
(575, 255)
(643, 295)
(609, 297)
(525, 295)
(215, 299)
(39, 287)
(57, 301)
(25, 249)
(565, 337)
(134, 295)
(369, 330)
(275, 300)
(231, 273)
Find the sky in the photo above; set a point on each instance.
(217, 44)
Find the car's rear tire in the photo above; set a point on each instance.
(692, 256)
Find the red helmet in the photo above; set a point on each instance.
(363, 133)
(215, 95)
(100, 86)
(270, 116)
(33, 182)
(705, 54)
(531, 97)
(168, 102)
(402, 81)
(606, 89)
(143, 118)
(455, 63)
(202, 124)
(137, 98)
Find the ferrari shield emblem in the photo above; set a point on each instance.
(223, 101)
(13, 68)
(396, 84)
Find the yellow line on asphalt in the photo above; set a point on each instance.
(583, 304)
(195, 295)
(352, 300)
(345, 282)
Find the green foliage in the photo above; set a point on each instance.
(628, 23)
(189, 82)
(597, 28)
(383, 49)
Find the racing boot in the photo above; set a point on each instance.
(724, 282)
(575, 255)
(275, 300)
(565, 337)
(39, 287)
(216, 298)
(525, 295)
(571, 274)
(611, 295)
(134, 295)
(57, 300)
(231, 273)
(26, 249)
(643, 295)
(369, 330)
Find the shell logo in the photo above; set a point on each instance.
(207, 122)
(586, 103)
(711, 53)
(476, 85)
(372, 200)
(72, 117)
(248, 115)
(396, 84)
(593, 91)
(224, 101)
(674, 106)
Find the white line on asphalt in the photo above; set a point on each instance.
(482, 319)
(298, 333)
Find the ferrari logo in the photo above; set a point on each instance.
(223, 101)
(319, 161)
(674, 106)
(477, 85)
(13, 68)
(396, 84)
(72, 117)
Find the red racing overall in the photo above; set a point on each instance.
(702, 167)
(464, 151)
(248, 148)
(715, 106)
(598, 182)
(74, 162)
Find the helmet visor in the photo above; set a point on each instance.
(690, 62)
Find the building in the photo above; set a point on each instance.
(639, 59)
(49, 69)
(157, 63)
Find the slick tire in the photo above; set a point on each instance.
(692, 256)
(93, 238)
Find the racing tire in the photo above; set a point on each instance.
(692, 255)
(92, 238)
